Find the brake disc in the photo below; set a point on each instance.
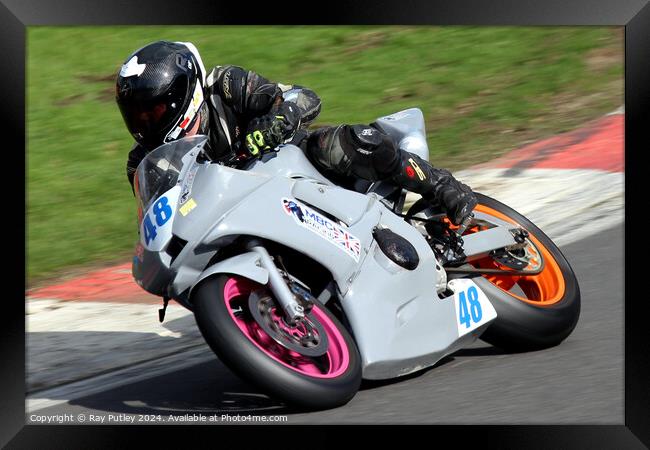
(524, 256)
(307, 337)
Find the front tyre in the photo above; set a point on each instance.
(534, 311)
(221, 309)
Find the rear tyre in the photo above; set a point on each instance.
(322, 382)
(549, 308)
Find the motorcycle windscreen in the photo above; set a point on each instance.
(158, 172)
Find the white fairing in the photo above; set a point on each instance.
(407, 127)
(399, 321)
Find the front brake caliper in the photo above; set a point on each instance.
(304, 297)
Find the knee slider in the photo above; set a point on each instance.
(365, 137)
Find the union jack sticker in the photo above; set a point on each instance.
(322, 226)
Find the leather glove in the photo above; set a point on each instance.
(278, 126)
(457, 201)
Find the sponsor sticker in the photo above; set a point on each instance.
(324, 227)
(187, 207)
(187, 185)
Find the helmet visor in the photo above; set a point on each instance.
(149, 119)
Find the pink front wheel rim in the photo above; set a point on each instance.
(331, 365)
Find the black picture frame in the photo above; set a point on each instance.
(15, 15)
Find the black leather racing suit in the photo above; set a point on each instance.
(233, 97)
(345, 153)
(349, 152)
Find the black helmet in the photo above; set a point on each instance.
(160, 91)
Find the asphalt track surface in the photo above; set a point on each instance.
(579, 382)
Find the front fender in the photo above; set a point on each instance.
(245, 265)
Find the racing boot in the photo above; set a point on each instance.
(435, 185)
(377, 157)
(363, 151)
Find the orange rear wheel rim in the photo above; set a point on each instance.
(545, 288)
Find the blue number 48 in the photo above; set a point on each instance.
(149, 230)
(162, 212)
(470, 314)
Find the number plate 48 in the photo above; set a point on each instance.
(155, 229)
(473, 308)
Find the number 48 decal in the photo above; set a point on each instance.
(162, 213)
(473, 312)
(472, 307)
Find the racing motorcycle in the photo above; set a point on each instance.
(303, 287)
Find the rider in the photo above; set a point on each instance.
(164, 93)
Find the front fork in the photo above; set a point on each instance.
(293, 309)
